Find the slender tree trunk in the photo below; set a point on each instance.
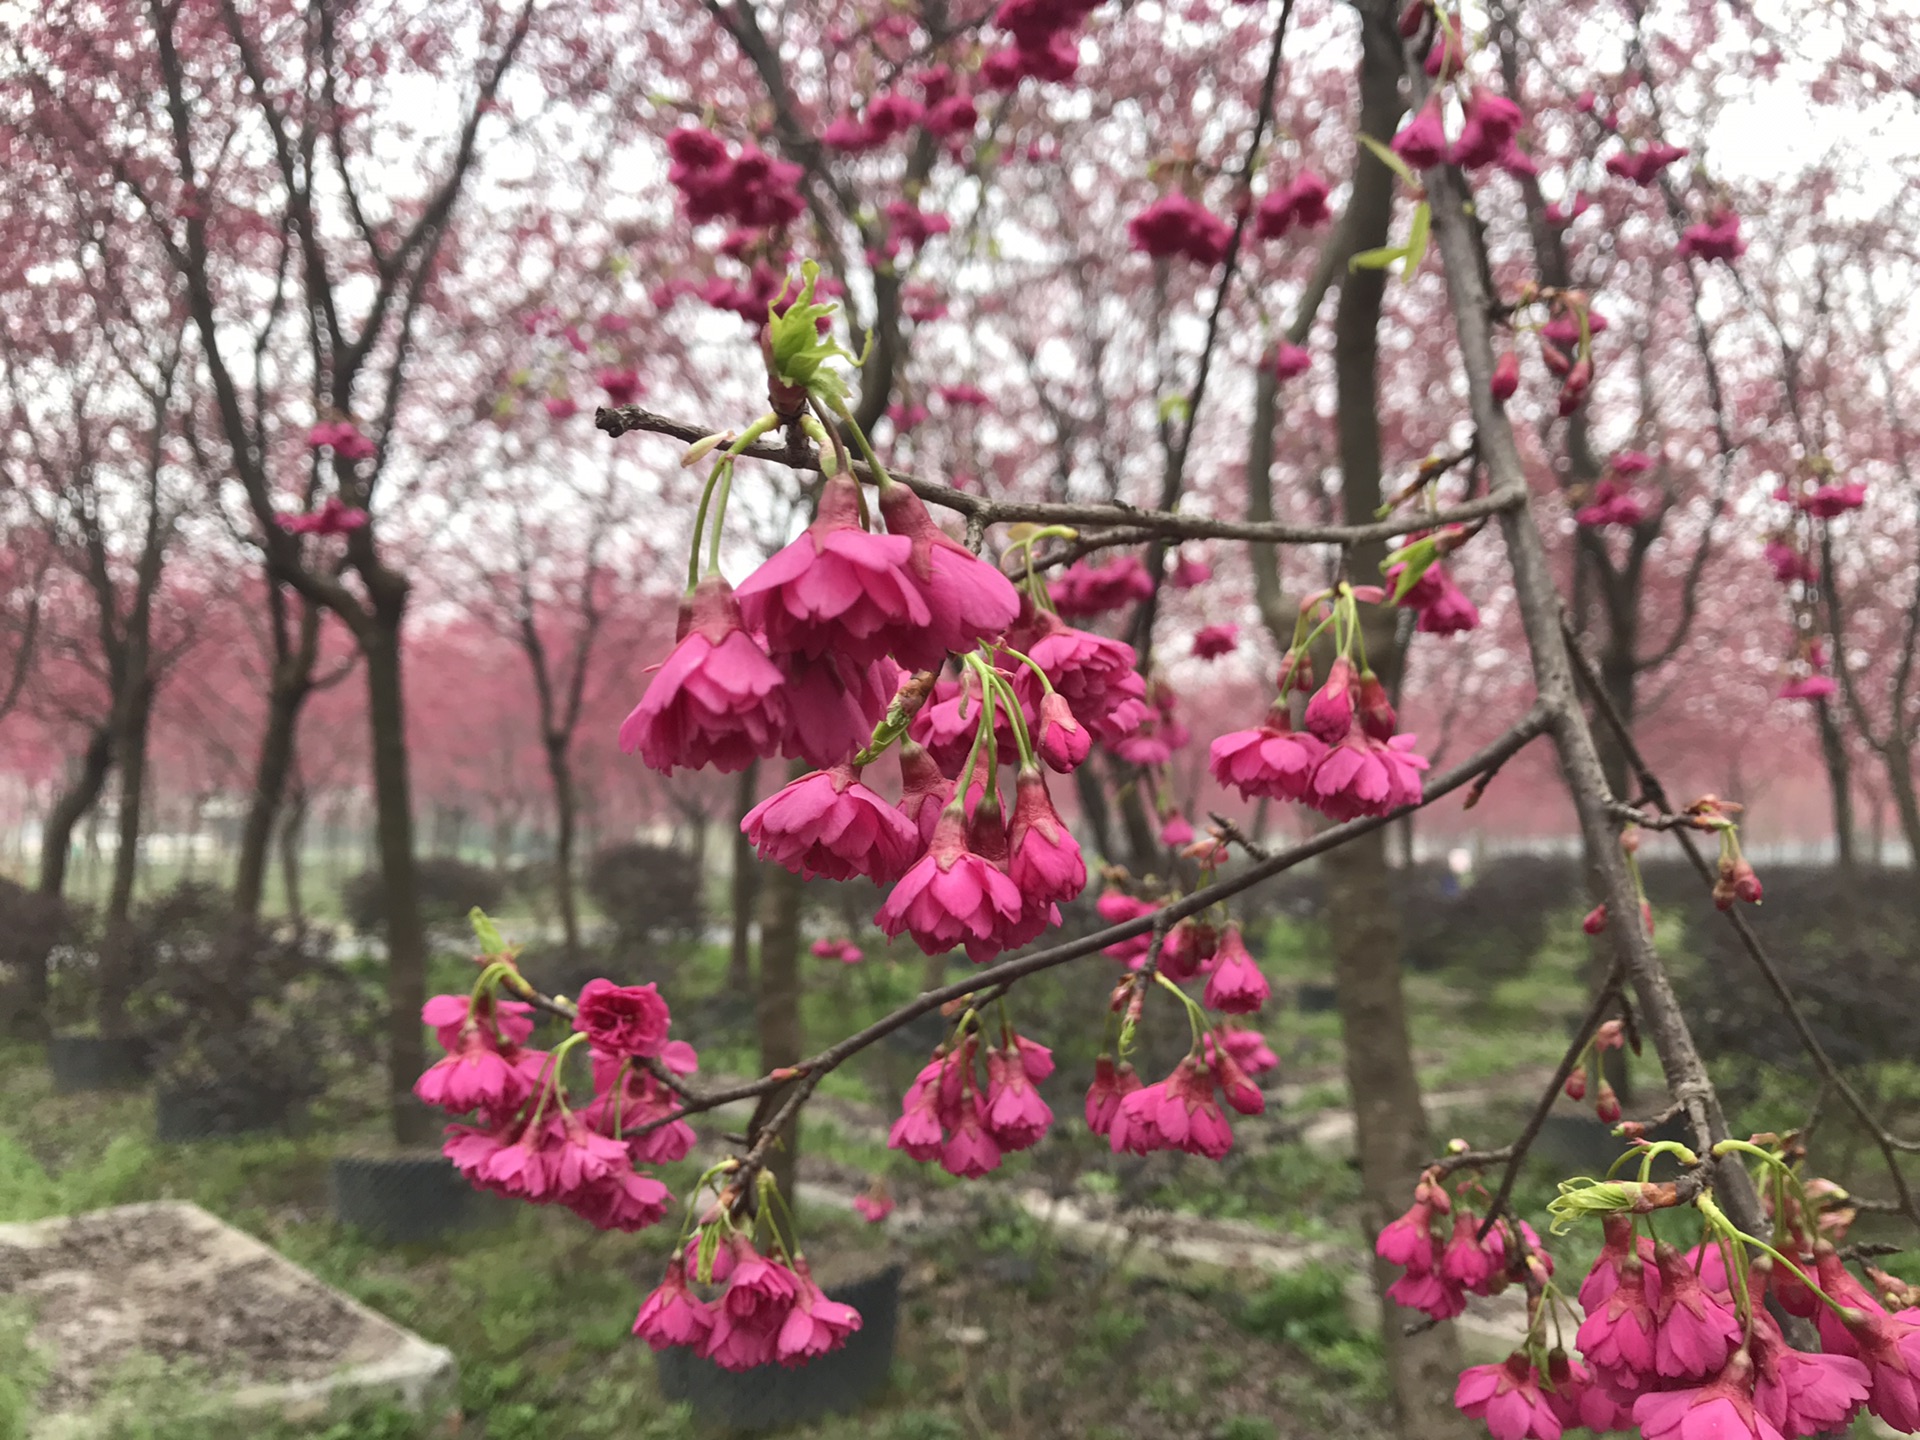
(1833, 751)
(745, 884)
(56, 846)
(293, 826)
(130, 755)
(778, 1009)
(1905, 804)
(1390, 1127)
(406, 937)
(270, 772)
(560, 772)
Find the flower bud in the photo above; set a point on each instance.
(1506, 376)
(1376, 711)
(1596, 920)
(1577, 1083)
(1607, 1104)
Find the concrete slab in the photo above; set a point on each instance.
(170, 1281)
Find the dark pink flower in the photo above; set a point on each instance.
(1449, 611)
(1509, 1398)
(967, 599)
(1015, 1116)
(952, 896)
(971, 1149)
(1581, 1401)
(332, 518)
(1291, 361)
(1329, 714)
(828, 823)
(1617, 1337)
(1236, 984)
(1236, 1086)
(815, 1324)
(955, 115)
(475, 1075)
(1467, 1262)
(1176, 830)
(1095, 675)
(1187, 573)
(1808, 687)
(1422, 141)
(833, 703)
(1301, 201)
(673, 1314)
(1210, 642)
(873, 1208)
(1176, 225)
(1111, 1085)
(1620, 1243)
(1506, 376)
(1035, 1058)
(623, 1020)
(1491, 123)
(838, 589)
(1613, 504)
(1045, 860)
(1116, 908)
(621, 1200)
(1641, 166)
(1429, 1292)
(1408, 1239)
(1720, 1409)
(1718, 238)
(1248, 1047)
(1693, 1330)
(1365, 776)
(1802, 1393)
(1189, 946)
(1063, 742)
(1274, 761)
(1085, 588)
(919, 1131)
(718, 700)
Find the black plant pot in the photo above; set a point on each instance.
(213, 1112)
(97, 1062)
(771, 1397)
(1314, 998)
(408, 1198)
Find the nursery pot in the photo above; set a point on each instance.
(771, 1397)
(97, 1062)
(211, 1112)
(1316, 998)
(408, 1197)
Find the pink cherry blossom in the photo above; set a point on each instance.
(1509, 1398)
(828, 823)
(1422, 141)
(1210, 642)
(1720, 1409)
(815, 1324)
(1365, 776)
(673, 1314)
(1112, 1084)
(1693, 1330)
(1236, 984)
(1175, 225)
(1095, 676)
(1086, 588)
(622, 1020)
(1273, 762)
(967, 599)
(718, 700)
(1016, 1117)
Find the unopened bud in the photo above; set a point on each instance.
(1607, 1104)
(1596, 920)
(1413, 17)
(1611, 1035)
(1577, 1083)
(1506, 376)
(703, 447)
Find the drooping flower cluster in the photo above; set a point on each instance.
(1046, 42)
(523, 1134)
(1642, 167)
(751, 188)
(1444, 1257)
(332, 518)
(1349, 761)
(1176, 225)
(974, 1103)
(1301, 201)
(1085, 588)
(343, 437)
(768, 1308)
(1613, 501)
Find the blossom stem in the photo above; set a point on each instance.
(1014, 716)
(1196, 1017)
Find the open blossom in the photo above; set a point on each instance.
(1045, 860)
(1235, 984)
(1612, 504)
(1509, 1398)
(718, 700)
(1095, 676)
(1274, 761)
(1803, 1393)
(622, 1020)
(838, 589)
(1491, 123)
(1407, 1240)
(1016, 1117)
(967, 599)
(1694, 1330)
(828, 823)
(924, 791)
(1720, 1409)
(1178, 1113)
(1641, 166)
(1212, 641)
(1111, 1085)
(953, 896)
(1188, 572)
(1085, 588)
(1365, 776)
(815, 1324)
(1175, 225)
(476, 1075)
(332, 518)
(1291, 361)
(1617, 1336)
(673, 1314)
(1248, 1048)
(1808, 687)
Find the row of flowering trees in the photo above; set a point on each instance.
(1585, 395)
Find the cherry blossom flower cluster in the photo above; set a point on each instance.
(944, 110)
(1613, 501)
(1609, 1036)
(1445, 1257)
(750, 188)
(973, 1102)
(1183, 1111)
(1418, 581)
(1046, 42)
(1301, 201)
(332, 518)
(1177, 225)
(524, 1134)
(766, 1309)
(1348, 760)
(1086, 588)
(343, 437)
(841, 949)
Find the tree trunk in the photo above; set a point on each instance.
(745, 884)
(1833, 751)
(293, 827)
(130, 755)
(56, 846)
(406, 937)
(560, 772)
(270, 771)
(1390, 1128)
(1905, 805)
(778, 1009)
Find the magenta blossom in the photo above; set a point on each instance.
(623, 1020)
(1095, 676)
(718, 700)
(1509, 1398)
(1291, 361)
(1016, 1117)
(1694, 1331)
(1210, 642)
(815, 1324)
(1274, 762)
(952, 896)
(967, 599)
(1803, 1393)
(828, 823)
(1248, 1048)
(1422, 142)
(475, 1076)
(1111, 1085)
(1718, 238)
(1178, 1113)
(1301, 201)
(925, 792)
(1236, 984)
(1487, 136)
(332, 518)
(1720, 1409)
(838, 589)
(673, 1314)
(1177, 226)
(1808, 687)
(1617, 1337)
(1365, 776)
(1045, 860)
(1085, 588)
